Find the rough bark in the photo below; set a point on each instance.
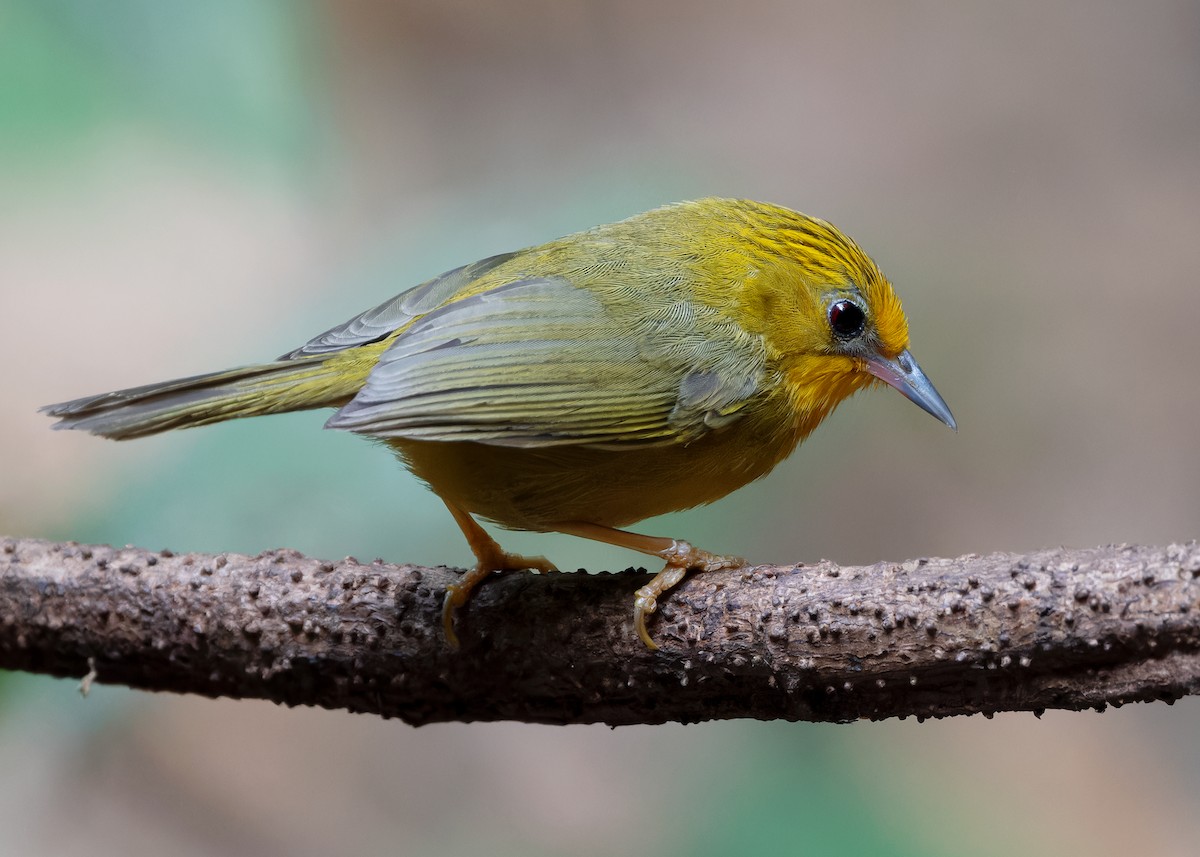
(933, 637)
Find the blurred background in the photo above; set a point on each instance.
(186, 187)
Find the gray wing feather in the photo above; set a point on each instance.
(374, 324)
(543, 363)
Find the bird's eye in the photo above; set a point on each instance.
(847, 319)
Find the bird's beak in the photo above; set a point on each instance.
(905, 375)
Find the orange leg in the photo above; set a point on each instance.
(490, 557)
(679, 556)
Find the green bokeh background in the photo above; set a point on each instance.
(188, 187)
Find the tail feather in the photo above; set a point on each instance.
(270, 388)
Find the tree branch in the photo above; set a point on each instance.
(1053, 629)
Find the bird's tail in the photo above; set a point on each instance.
(270, 388)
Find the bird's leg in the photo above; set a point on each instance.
(490, 557)
(679, 556)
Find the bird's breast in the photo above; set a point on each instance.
(535, 488)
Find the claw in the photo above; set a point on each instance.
(458, 594)
(645, 600)
(681, 557)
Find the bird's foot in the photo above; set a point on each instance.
(458, 594)
(680, 557)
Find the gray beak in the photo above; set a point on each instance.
(905, 375)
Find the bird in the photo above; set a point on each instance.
(579, 386)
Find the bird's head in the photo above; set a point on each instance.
(831, 315)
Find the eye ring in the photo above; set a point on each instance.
(846, 319)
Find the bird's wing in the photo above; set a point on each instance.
(377, 323)
(541, 362)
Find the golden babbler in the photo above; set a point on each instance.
(581, 385)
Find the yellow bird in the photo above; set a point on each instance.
(582, 385)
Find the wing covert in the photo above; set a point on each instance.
(541, 362)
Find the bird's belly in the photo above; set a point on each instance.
(533, 489)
